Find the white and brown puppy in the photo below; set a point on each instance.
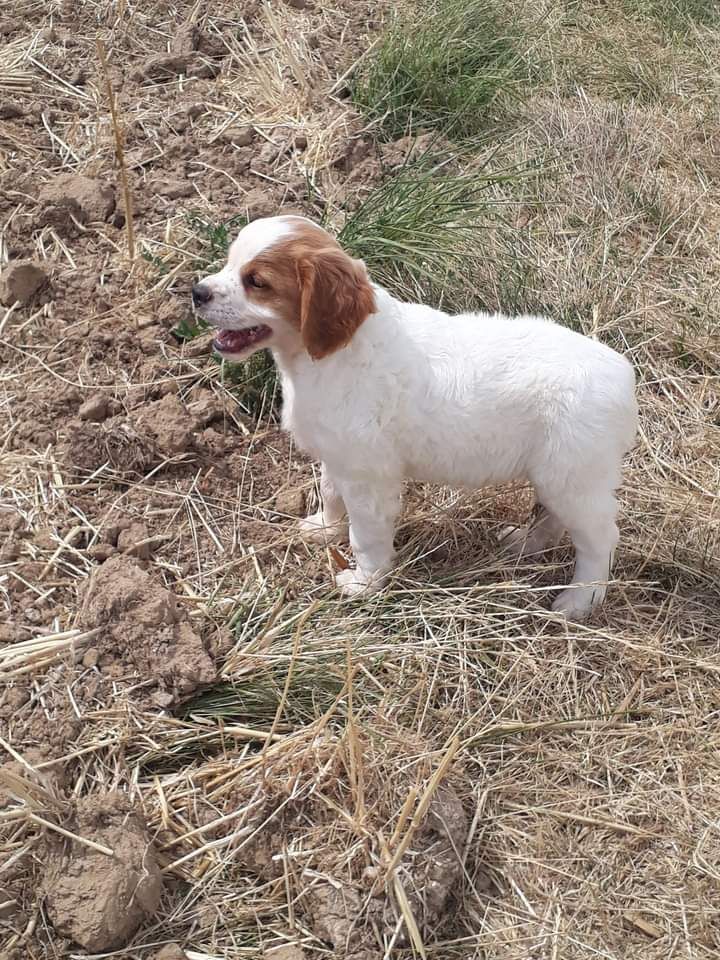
(380, 391)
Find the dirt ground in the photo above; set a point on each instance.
(177, 674)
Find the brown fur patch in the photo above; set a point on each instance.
(315, 286)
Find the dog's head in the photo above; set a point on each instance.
(287, 284)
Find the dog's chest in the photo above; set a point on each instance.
(301, 419)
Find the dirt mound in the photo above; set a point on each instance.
(97, 900)
(70, 195)
(169, 424)
(20, 281)
(146, 635)
(90, 445)
(158, 431)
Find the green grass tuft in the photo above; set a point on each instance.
(422, 234)
(255, 701)
(213, 239)
(448, 69)
(254, 383)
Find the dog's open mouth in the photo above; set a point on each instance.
(235, 341)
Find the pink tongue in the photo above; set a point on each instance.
(233, 341)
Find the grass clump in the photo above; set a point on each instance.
(422, 233)
(676, 16)
(448, 70)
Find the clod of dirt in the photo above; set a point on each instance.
(286, 951)
(11, 110)
(171, 951)
(10, 25)
(94, 899)
(90, 445)
(135, 541)
(166, 65)
(145, 632)
(210, 408)
(101, 551)
(169, 424)
(20, 281)
(258, 203)
(86, 199)
(354, 901)
(290, 503)
(95, 408)
(238, 136)
(334, 914)
(172, 189)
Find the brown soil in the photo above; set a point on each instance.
(142, 632)
(94, 899)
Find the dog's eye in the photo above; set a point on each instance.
(253, 280)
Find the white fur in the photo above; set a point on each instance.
(468, 401)
(231, 308)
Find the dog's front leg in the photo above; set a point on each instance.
(373, 509)
(330, 522)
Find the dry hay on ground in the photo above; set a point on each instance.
(178, 676)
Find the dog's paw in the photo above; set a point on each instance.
(577, 603)
(313, 528)
(353, 583)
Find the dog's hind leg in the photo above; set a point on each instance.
(589, 518)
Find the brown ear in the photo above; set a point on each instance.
(335, 298)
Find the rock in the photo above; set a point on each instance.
(94, 899)
(20, 281)
(299, 4)
(238, 136)
(101, 552)
(95, 408)
(88, 199)
(91, 657)
(163, 66)
(137, 542)
(172, 189)
(171, 951)
(10, 110)
(290, 503)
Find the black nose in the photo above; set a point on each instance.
(201, 294)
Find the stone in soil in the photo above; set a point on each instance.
(20, 281)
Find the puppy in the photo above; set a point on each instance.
(380, 391)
